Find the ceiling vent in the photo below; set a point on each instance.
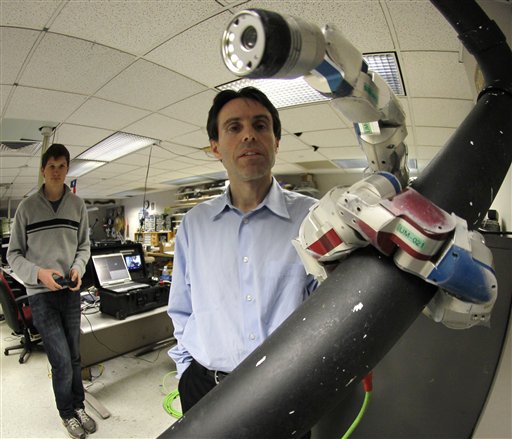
(22, 148)
(21, 137)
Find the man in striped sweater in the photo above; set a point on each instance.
(50, 240)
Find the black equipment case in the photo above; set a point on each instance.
(124, 304)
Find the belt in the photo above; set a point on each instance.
(217, 375)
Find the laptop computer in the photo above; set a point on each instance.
(113, 273)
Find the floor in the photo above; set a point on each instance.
(132, 389)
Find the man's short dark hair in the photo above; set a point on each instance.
(55, 151)
(225, 96)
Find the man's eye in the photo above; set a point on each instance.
(233, 128)
(261, 126)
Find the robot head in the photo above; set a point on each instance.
(263, 44)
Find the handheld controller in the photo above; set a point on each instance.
(66, 282)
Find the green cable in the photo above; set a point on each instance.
(367, 397)
(168, 400)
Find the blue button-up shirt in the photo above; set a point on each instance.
(236, 277)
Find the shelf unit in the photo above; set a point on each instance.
(153, 238)
(189, 196)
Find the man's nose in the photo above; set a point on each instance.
(248, 135)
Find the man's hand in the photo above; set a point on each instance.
(46, 277)
(75, 277)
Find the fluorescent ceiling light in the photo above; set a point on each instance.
(281, 92)
(115, 146)
(288, 92)
(78, 168)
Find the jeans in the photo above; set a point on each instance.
(56, 315)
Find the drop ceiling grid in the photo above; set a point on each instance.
(362, 22)
(15, 46)
(79, 135)
(195, 52)
(136, 27)
(148, 86)
(193, 110)
(69, 64)
(194, 139)
(435, 75)
(160, 127)
(420, 26)
(31, 14)
(43, 104)
(105, 114)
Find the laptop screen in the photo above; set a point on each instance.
(133, 262)
(110, 268)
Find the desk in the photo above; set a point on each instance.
(104, 337)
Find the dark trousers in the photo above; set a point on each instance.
(56, 315)
(195, 383)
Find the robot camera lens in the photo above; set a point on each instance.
(249, 38)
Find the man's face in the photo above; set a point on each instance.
(247, 145)
(55, 171)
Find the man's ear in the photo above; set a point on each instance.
(214, 146)
(277, 144)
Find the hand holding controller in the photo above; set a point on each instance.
(66, 282)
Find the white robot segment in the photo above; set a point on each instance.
(401, 223)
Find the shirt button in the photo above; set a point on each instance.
(248, 297)
(245, 221)
(252, 336)
(246, 259)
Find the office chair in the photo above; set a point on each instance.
(18, 316)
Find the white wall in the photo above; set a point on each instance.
(133, 207)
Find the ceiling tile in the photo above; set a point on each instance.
(345, 152)
(310, 118)
(69, 64)
(194, 109)
(77, 135)
(195, 139)
(33, 14)
(159, 127)
(196, 52)
(44, 104)
(432, 136)
(132, 26)
(181, 150)
(15, 47)
(147, 85)
(435, 75)
(362, 22)
(331, 138)
(290, 142)
(440, 112)
(308, 155)
(427, 152)
(5, 91)
(105, 114)
(420, 26)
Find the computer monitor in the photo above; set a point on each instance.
(133, 262)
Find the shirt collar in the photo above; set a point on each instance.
(274, 201)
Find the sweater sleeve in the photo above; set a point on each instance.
(26, 270)
(83, 251)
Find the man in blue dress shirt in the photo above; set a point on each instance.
(236, 275)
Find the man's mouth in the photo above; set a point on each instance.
(249, 154)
